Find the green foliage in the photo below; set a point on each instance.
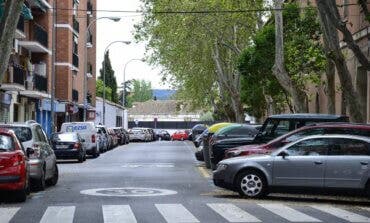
(207, 117)
(100, 90)
(141, 92)
(110, 79)
(182, 44)
(304, 60)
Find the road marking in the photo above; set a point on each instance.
(288, 213)
(204, 172)
(233, 213)
(148, 165)
(7, 214)
(341, 213)
(128, 192)
(118, 214)
(58, 214)
(176, 213)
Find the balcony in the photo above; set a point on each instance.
(41, 83)
(19, 76)
(38, 42)
(14, 79)
(19, 34)
(75, 60)
(74, 95)
(76, 25)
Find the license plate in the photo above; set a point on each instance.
(63, 147)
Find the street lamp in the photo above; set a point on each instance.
(105, 51)
(114, 19)
(124, 78)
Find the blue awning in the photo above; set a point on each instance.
(26, 12)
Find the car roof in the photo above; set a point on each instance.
(337, 136)
(308, 116)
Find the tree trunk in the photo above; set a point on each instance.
(335, 53)
(330, 78)
(298, 95)
(8, 25)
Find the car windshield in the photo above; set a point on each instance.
(65, 137)
(6, 143)
(23, 134)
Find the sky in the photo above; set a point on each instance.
(109, 31)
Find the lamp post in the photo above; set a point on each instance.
(124, 78)
(115, 19)
(105, 51)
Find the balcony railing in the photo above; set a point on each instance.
(20, 25)
(74, 95)
(76, 25)
(41, 83)
(75, 59)
(19, 76)
(40, 35)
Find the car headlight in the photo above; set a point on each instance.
(235, 153)
(222, 166)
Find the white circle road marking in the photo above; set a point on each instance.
(128, 192)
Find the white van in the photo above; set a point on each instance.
(87, 131)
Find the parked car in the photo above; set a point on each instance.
(69, 146)
(190, 134)
(197, 130)
(127, 136)
(315, 129)
(162, 134)
(322, 162)
(87, 131)
(137, 135)
(42, 161)
(199, 138)
(153, 136)
(179, 135)
(278, 125)
(103, 138)
(14, 169)
(211, 130)
(114, 137)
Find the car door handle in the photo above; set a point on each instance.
(318, 162)
(364, 163)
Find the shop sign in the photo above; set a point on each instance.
(58, 107)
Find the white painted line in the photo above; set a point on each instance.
(232, 213)
(176, 213)
(58, 214)
(118, 214)
(341, 213)
(289, 213)
(6, 214)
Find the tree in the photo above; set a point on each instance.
(331, 22)
(100, 89)
(199, 50)
(141, 92)
(8, 25)
(110, 79)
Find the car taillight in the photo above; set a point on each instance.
(77, 146)
(93, 138)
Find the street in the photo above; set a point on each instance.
(162, 182)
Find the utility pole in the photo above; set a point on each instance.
(52, 108)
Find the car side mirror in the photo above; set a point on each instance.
(29, 152)
(283, 154)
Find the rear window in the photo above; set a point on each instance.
(23, 134)
(65, 137)
(6, 143)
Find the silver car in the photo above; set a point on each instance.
(138, 135)
(325, 161)
(42, 163)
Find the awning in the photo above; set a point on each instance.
(26, 12)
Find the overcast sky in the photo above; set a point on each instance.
(109, 31)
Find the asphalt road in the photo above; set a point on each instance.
(162, 182)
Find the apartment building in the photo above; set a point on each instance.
(26, 90)
(73, 19)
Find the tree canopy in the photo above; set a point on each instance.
(110, 79)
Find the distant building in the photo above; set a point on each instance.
(115, 115)
(167, 110)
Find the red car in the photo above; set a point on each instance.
(13, 165)
(180, 135)
(317, 129)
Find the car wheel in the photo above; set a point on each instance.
(96, 153)
(40, 183)
(251, 184)
(81, 158)
(21, 195)
(84, 156)
(54, 180)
